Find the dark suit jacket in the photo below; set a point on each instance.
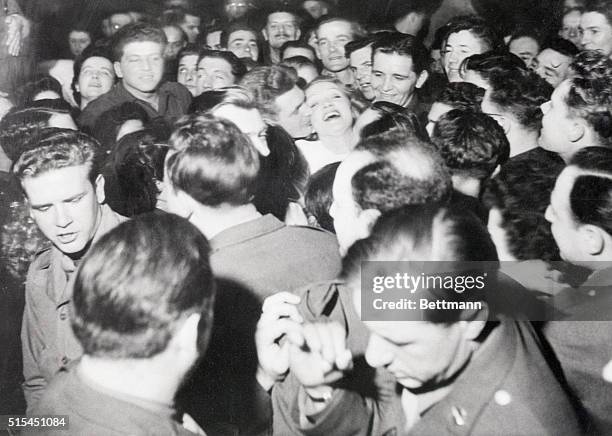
(251, 261)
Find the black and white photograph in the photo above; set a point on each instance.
(306, 217)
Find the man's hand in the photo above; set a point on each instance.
(17, 30)
(279, 319)
(322, 357)
(535, 275)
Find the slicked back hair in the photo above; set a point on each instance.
(212, 161)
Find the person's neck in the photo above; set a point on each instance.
(345, 76)
(146, 379)
(150, 97)
(275, 56)
(469, 186)
(522, 141)
(85, 102)
(213, 220)
(340, 143)
(76, 257)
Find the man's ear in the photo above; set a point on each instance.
(317, 51)
(593, 237)
(118, 70)
(184, 204)
(504, 123)
(576, 131)
(422, 79)
(299, 33)
(186, 338)
(264, 32)
(367, 219)
(100, 194)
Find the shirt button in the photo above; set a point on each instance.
(65, 360)
(63, 316)
(503, 398)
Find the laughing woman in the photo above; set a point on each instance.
(332, 118)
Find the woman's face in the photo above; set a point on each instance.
(459, 45)
(95, 78)
(330, 109)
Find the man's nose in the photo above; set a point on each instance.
(585, 39)
(62, 216)
(379, 352)
(387, 84)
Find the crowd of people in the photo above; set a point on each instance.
(189, 205)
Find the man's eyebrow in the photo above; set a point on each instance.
(65, 200)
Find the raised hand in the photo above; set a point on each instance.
(280, 320)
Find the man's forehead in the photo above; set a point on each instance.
(56, 184)
(335, 27)
(242, 34)
(142, 48)
(393, 61)
(294, 97)
(552, 58)
(593, 18)
(280, 17)
(362, 53)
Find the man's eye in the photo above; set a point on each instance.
(42, 208)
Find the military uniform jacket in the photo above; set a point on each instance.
(507, 388)
(582, 343)
(46, 334)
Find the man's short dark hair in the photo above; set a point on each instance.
(176, 15)
(403, 45)
(461, 95)
(138, 283)
(560, 45)
(297, 44)
(268, 83)
(394, 117)
(360, 43)
(282, 8)
(212, 161)
(109, 122)
(521, 192)
(521, 94)
(424, 232)
(591, 196)
(590, 93)
(21, 127)
(603, 7)
(137, 32)
(493, 64)
(478, 27)
(471, 143)
(67, 148)
(232, 27)
(357, 30)
(525, 31)
(238, 67)
(405, 171)
(398, 9)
